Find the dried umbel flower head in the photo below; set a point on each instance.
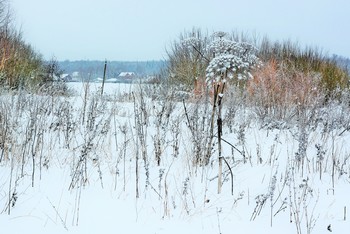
(221, 66)
(190, 42)
(223, 46)
(231, 59)
(219, 34)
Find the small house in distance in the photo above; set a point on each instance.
(66, 78)
(76, 76)
(127, 77)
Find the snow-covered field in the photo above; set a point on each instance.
(125, 163)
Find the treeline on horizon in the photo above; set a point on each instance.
(114, 68)
(141, 68)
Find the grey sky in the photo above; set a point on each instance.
(142, 29)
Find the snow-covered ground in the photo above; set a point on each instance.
(124, 163)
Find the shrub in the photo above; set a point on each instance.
(278, 90)
(187, 58)
(20, 65)
(307, 61)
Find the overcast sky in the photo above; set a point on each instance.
(142, 29)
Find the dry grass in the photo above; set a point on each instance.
(274, 85)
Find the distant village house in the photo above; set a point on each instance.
(66, 78)
(127, 76)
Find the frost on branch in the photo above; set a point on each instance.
(190, 42)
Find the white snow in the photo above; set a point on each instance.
(176, 196)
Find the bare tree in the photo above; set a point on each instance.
(188, 58)
(5, 14)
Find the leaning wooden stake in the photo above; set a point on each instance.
(104, 76)
(344, 213)
(211, 133)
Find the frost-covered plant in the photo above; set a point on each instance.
(272, 189)
(190, 42)
(175, 132)
(320, 155)
(161, 121)
(198, 122)
(300, 204)
(260, 201)
(161, 175)
(231, 59)
(224, 66)
(223, 46)
(301, 154)
(186, 187)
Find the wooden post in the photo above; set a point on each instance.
(104, 77)
(220, 94)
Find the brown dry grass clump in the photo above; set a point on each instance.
(277, 87)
